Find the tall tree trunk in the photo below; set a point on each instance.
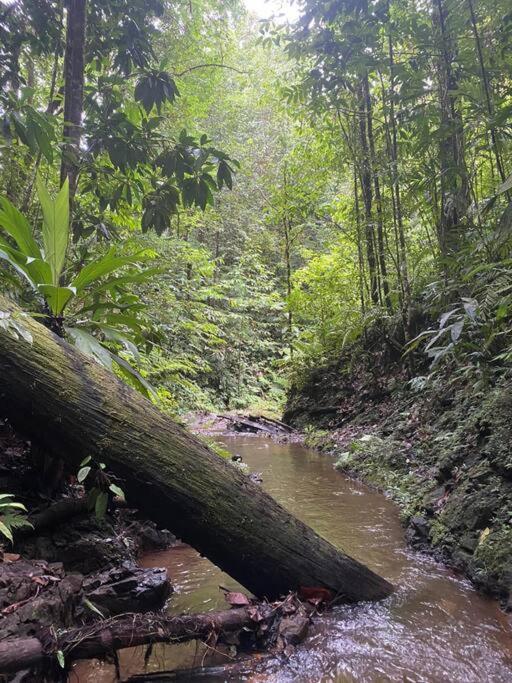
(73, 92)
(287, 233)
(367, 193)
(453, 181)
(75, 408)
(287, 258)
(378, 197)
(360, 258)
(486, 87)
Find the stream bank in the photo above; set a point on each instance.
(440, 448)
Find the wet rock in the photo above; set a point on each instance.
(508, 604)
(417, 532)
(460, 559)
(469, 542)
(36, 594)
(294, 629)
(128, 589)
(85, 545)
(145, 534)
(432, 498)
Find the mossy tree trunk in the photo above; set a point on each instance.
(74, 407)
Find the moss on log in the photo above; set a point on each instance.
(74, 407)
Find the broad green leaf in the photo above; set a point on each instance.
(43, 142)
(117, 491)
(57, 297)
(107, 264)
(16, 225)
(82, 474)
(4, 529)
(100, 507)
(55, 227)
(12, 504)
(133, 377)
(19, 268)
(39, 270)
(111, 334)
(89, 345)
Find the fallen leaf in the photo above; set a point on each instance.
(255, 614)
(10, 557)
(236, 599)
(315, 594)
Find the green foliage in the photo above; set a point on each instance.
(11, 516)
(103, 317)
(99, 484)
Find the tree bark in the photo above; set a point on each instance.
(367, 194)
(453, 181)
(73, 92)
(381, 250)
(76, 408)
(124, 631)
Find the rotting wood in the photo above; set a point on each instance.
(75, 408)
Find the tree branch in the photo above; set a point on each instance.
(215, 65)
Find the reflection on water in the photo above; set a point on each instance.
(435, 627)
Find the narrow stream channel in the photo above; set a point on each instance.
(435, 627)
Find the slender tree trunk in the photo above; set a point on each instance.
(359, 245)
(73, 407)
(287, 258)
(453, 181)
(487, 92)
(73, 92)
(367, 193)
(396, 178)
(381, 249)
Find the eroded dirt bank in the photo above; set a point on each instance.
(442, 450)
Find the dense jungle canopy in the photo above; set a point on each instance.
(247, 196)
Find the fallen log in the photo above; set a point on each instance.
(128, 630)
(74, 408)
(281, 426)
(55, 514)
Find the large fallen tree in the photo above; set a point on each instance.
(74, 408)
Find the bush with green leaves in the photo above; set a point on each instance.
(89, 304)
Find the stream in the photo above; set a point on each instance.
(435, 627)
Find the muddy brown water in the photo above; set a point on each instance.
(435, 627)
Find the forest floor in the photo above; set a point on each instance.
(442, 453)
(72, 568)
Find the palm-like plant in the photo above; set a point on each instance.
(91, 307)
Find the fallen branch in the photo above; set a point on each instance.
(56, 514)
(273, 623)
